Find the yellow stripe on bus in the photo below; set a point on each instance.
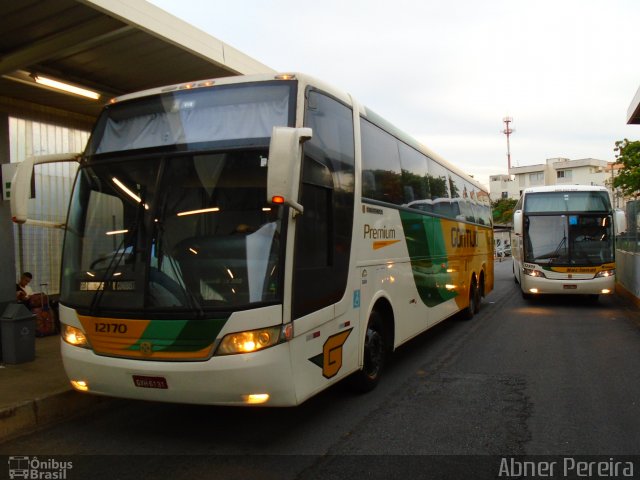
(383, 243)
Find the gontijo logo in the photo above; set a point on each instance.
(461, 237)
(330, 360)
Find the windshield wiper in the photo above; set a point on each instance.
(118, 254)
(556, 253)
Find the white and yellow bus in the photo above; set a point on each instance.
(564, 240)
(254, 240)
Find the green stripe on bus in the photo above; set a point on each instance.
(181, 335)
(428, 252)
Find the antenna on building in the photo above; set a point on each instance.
(508, 131)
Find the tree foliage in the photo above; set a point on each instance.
(628, 179)
(503, 210)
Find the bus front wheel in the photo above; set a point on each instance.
(375, 351)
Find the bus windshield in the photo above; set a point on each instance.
(224, 115)
(567, 201)
(569, 239)
(172, 232)
(169, 210)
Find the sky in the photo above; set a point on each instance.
(447, 72)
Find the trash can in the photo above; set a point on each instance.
(18, 328)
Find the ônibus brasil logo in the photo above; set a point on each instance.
(33, 468)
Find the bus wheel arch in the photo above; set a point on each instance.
(377, 346)
(383, 307)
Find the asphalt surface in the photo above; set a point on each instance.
(552, 376)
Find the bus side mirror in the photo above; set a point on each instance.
(620, 220)
(517, 222)
(21, 187)
(283, 166)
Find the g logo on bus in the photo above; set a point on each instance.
(330, 360)
(146, 349)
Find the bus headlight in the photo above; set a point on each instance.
(534, 273)
(606, 273)
(253, 340)
(74, 336)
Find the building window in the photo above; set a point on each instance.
(536, 178)
(564, 174)
(505, 194)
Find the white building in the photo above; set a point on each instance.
(502, 186)
(556, 171)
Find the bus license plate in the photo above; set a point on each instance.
(150, 382)
(569, 287)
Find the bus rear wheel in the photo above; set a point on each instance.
(474, 301)
(375, 351)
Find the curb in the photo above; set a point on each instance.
(31, 415)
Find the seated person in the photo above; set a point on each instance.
(23, 291)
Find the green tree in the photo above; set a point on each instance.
(628, 179)
(503, 210)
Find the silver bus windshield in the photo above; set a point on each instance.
(568, 228)
(572, 240)
(172, 232)
(169, 208)
(211, 115)
(568, 201)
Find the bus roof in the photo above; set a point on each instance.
(565, 188)
(309, 80)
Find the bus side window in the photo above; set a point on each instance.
(380, 158)
(314, 227)
(368, 181)
(439, 188)
(415, 178)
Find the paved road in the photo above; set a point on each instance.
(555, 376)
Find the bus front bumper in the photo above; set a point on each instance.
(260, 378)
(545, 286)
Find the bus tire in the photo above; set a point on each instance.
(375, 352)
(474, 302)
(479, 294)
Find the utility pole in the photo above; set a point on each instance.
(508, 131)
